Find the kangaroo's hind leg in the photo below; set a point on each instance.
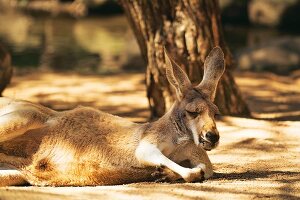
(9, 173)
(10, 176)
(17, 117)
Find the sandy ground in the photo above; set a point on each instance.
(257, 158)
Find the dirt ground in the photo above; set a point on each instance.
(257, 158)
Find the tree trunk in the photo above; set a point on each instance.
(189, 29)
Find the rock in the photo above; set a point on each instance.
(5, 69)
(275, 13)
(280, 56)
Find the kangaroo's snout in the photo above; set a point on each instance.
(212, 137)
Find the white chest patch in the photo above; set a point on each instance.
(194, 131)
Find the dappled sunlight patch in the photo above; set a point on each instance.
(122, 94)
(259, 150)
(271, 96)
(255, 132)
(244, 128)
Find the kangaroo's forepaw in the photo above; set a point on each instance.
(164, 174)
(199, 179)
(194, 175)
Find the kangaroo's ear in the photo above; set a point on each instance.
(214, 67)
(176, 76)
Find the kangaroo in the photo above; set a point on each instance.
(85, 146)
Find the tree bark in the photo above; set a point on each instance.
(189, 29)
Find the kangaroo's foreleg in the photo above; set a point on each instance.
(149, 155)
(198, 159)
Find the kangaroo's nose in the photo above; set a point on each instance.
(212, 137)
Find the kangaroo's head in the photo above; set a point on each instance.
(194, 110)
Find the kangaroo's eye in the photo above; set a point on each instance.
(193, 114)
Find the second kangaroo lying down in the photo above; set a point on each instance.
(85, 146)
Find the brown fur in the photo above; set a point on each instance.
(85, 146)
